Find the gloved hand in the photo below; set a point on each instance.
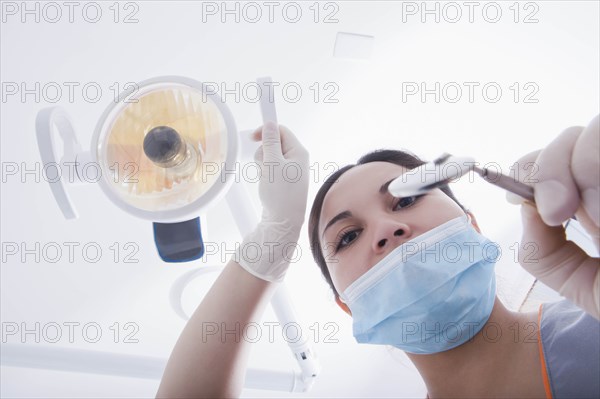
(283, 192)
(566, 180)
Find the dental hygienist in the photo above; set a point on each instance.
(357, 239)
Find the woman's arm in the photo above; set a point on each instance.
(209, 358)
(203, 362)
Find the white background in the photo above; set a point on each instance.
(559, 54)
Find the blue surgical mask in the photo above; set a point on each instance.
(428, 295)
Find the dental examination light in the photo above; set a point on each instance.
(162, 152)
(159, 152)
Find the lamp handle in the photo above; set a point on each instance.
(46, 119)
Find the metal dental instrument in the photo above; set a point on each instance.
(447, 168)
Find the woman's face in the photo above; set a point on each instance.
(369, 222)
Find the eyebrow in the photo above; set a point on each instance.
(384, 186)
(347, 214)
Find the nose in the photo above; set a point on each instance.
(388, 234)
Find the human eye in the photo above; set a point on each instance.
(406, 202)
(345, 238)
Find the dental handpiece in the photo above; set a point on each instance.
(447, 168)
(439, 173)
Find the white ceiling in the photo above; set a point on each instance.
(559, 54)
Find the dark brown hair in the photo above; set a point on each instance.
(402, 158)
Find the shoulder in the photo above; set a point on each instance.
(570, 342)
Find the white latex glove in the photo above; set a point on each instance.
(566, 180)
(283, 192)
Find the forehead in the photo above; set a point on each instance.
(356, 185)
